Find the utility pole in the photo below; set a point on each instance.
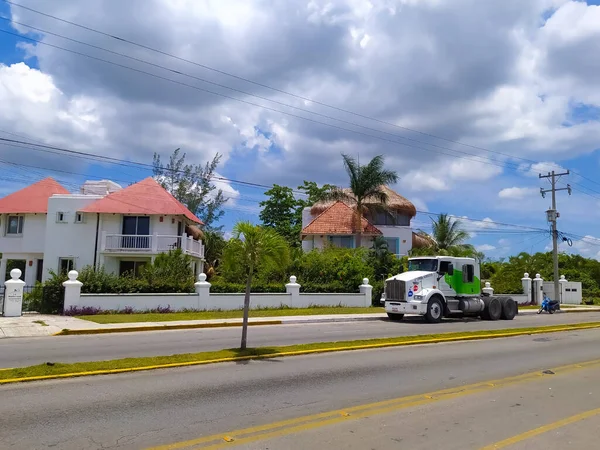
(552, 215)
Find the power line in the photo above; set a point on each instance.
(482, 159)
(121, 39)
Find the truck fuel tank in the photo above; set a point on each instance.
(471, 305)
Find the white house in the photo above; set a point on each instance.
(334, 222)
(44, 227)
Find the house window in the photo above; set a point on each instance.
(65, 265)
(14, 225)
(79, 217)
(131, 268)
(468, 273)
(60, 217)
(342, 241)
(390, 218)
(393, 245)
(136, 230)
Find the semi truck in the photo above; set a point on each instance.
(443, 286)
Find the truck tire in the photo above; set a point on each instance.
(492, 310)
(395, 317)
(509, 308)
(435, 310)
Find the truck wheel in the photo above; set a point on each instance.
(395, 317)
(509, 308)
(435, 310)
(492, 310)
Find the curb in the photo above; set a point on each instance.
(67, 332)
(574, 327)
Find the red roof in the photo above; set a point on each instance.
(33, 199)
(338, 219)
(145, 198)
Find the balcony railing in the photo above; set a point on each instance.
(151, 244)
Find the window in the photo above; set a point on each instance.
(79, 217)
(14, 225)
(468, 273)
(60, 217)
(65, 265)
(390, 218)
(342, 241)
(427, 265)
(393, 245)
(137, 232)
(131, 268)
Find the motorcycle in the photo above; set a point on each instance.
(549, 306)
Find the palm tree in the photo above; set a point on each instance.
(448, 233)
(250, 247)
(365, 184)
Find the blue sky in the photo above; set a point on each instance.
(542, 109)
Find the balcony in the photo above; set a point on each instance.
(150, 245)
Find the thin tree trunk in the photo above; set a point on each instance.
(246, 309)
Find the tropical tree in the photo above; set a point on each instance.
(251, 247)
(214, 244)
(447, 239)
(366, 188)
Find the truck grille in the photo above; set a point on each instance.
(395, 290)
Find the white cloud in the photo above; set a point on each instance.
(485, 248)
(517, 193)
(400, 61)
(503, 242)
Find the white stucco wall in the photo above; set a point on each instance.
(69, 239)
(403, 234)
(31, 241)
(30, 270)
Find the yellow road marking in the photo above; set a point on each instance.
(304, 423)
(543, 429)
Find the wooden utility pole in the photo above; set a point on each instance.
(553, 215)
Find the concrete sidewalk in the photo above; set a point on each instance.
(33, 324)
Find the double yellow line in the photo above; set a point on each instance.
(301, 424)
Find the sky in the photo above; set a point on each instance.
(469, 101)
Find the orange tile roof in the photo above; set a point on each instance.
(146, 197)
(33, 199)
(338, 219)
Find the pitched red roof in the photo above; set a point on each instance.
(338, 219)
(146, 198)
(33, 199)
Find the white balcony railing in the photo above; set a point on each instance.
(151, 244)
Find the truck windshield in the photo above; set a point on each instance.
(427, 265)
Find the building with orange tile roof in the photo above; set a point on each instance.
(45, 227)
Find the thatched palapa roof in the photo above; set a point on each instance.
(420, 241)
(195, 232)
(395, 202)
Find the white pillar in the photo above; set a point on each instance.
(3, 268)
(538, 289)
(526, 283)
(203, 290)
(154, 243)
(562, 283)
(13, 295)
(367, 290)
(293, 288)
(488, 289)
(72, 291)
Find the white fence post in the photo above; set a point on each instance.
(293, 288)
(538, 289)
(367, 290)
(562, 282)
(203, 290)
(526, 283)
(13, 295)
(72, 290)
(488, 289)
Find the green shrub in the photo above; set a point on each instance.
(224, 287)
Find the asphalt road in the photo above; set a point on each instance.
(19, 352)
(148, 409)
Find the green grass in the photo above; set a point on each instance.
(561, 307)
(52, 369)
(41, 322)
(207, 315)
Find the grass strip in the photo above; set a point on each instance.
(60, 370)
(236, 314)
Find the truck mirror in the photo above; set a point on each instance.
(450, 269)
